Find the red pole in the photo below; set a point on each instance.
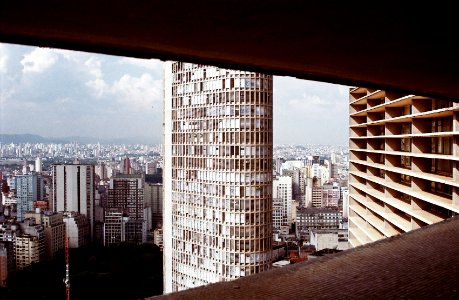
(67, 277)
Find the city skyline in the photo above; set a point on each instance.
(111, 97)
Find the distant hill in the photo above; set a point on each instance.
(34, 138)
(28, 138)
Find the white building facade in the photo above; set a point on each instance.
(282, 188)
(73, 190)
(217, 175)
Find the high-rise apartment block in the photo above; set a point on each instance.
(30, 245)
(404, 163)
(54, 229)
(27, 251)
(74, 191)
(217, 175)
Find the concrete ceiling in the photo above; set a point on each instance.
(394, 46)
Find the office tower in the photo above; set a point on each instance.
(126, 193)
(403, 163)
(282, 189)
(114, 226)
(154, 202)
(73, 191)
(217, 174)
(26, 193)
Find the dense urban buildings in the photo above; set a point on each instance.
(46, 190)
(217, 175)
(404, 157)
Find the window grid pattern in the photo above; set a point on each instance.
(221, 174)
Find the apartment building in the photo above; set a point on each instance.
(404, 163)
(217, 174)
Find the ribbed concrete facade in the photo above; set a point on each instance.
(217, 175)
(404, 163)
(73, 190)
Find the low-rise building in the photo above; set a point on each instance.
(308, 219)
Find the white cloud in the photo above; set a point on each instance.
(98, 86)
(130, 93)
(39, 60)
(3, 59)
(74, 56)
(152, 64)
(138, 93)
(94, 67)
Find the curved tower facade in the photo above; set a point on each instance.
(217, 174)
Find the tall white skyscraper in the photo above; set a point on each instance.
(38, 165)
(73, 190)
(282, 189)
(217, 175)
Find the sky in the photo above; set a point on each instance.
(60, 93)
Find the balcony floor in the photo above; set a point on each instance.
(421, 264)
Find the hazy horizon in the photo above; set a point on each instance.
(58, 93)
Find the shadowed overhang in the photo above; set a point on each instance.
(395, 46)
